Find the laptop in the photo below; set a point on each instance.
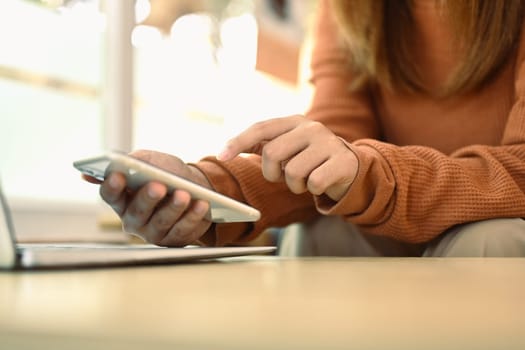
(15, 255)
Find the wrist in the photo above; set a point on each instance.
(199, 177)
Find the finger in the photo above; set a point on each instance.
(320, 179)
(290, 156)
(142, 206)
(299, 168)
(113, 192)
(257, 134)
(190, 227)
(330, 178)
(277, 153)
(163, 219)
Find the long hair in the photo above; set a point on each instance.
(378, 35)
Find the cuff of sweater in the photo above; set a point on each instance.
(223, 182)
(360, 193)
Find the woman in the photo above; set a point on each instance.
(415, 140)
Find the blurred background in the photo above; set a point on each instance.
(78, 77)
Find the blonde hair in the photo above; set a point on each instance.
(378, 34)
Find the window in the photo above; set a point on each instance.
(63, 89)
(196, 78)
(50, 83)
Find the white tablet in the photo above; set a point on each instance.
(137, 172)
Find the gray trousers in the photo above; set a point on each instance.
(331, 236)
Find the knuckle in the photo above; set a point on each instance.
(316, 185)
(271, 174)
(293, 173)
(313, 126)
(295, 181)
(270, 153)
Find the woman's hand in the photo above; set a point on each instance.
(150, 212)
(303, 153)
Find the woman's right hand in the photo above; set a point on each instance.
(159, 217)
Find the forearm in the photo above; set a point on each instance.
(415, 193)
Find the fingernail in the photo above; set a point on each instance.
(224, 154)
(176, 201)
(200, 208)
(152, 193)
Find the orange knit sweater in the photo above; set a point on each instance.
(424, 164)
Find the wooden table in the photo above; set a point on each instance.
(270, 303)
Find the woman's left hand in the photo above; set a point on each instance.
(303, 153)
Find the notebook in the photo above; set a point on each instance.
(14, 255)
